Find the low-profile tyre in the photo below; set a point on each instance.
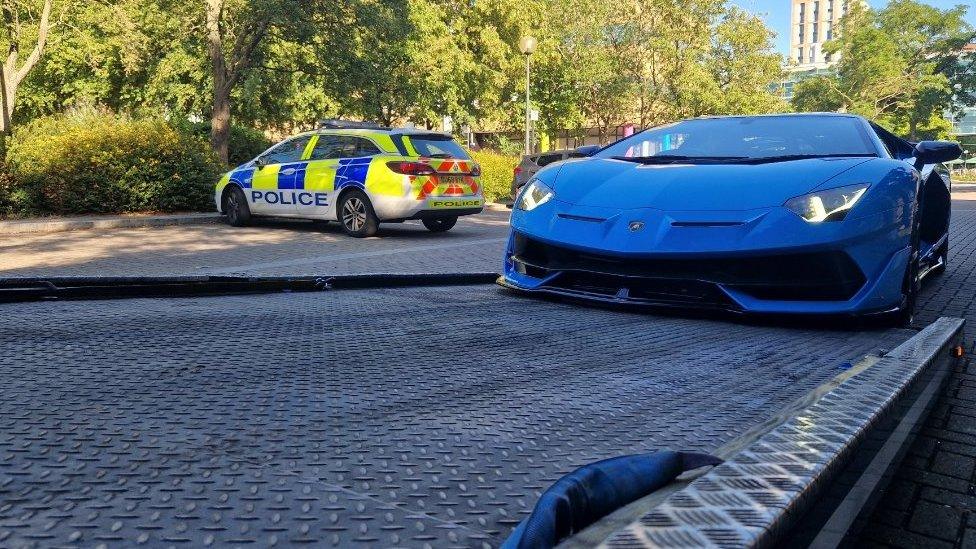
(356, 215)
(905, 314)
(439, 224)
(235, 208)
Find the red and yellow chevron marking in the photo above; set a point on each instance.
(449, 166)
(444, 185)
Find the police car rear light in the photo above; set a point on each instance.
(411, 168)
(475, 170)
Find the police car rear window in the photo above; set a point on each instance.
(436, 146)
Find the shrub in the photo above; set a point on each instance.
(964, 176)
(244, 144)
(11, 196)
(497, 171)
(96, 162)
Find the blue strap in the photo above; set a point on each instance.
(595, 490)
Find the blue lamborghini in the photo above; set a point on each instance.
(792, 213)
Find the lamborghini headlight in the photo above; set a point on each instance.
(535, 194)
(828, 204)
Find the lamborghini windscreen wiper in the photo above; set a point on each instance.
(790, 157)
(677, 159)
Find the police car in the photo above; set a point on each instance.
(358, 175)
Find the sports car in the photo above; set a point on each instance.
(792, 213)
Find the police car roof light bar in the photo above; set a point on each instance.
(333, 124)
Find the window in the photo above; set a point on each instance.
(351, 146)
(326, 147)
(799, 55)
(343, 146)
(813, 54)
(547, 159)
(815, 33)
(816, 11)
(287, 151)
(801, 37)
(802, 12)
(437, 146)
(751, 137)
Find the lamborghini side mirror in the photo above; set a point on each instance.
(935, 152)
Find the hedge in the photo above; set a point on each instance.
(100, 163)
(497, 171)
(964, 176)
(243, 145)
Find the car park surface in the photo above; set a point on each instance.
(268, 248)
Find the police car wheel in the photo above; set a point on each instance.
(236, 209)
(439, 224)
(356, 215)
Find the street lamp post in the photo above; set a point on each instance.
(527, 44)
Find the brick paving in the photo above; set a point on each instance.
(267, 248)
(931, 501)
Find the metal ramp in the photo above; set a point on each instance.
(401, 417)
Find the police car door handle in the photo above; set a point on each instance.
(288, 171)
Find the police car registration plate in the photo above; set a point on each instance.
(442, 203)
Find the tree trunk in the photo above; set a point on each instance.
(10, 75)
(220, 113)
(220, 122)
(8, 91)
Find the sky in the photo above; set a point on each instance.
(776, 14)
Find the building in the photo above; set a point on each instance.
(812, 23)
(964, 122)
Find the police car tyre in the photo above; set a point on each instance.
(236, 208)
(356, 215)
(439, 224)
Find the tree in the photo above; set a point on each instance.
(249, 24)
(21, 24)
(900, 65)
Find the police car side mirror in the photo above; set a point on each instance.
(260, 162)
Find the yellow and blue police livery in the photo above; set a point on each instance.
(358, 175)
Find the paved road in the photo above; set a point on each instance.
(270, 248)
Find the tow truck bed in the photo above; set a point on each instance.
(399, 417)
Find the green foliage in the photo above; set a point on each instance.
(92, 162)
(964, 176)
(900, 66)
(245, 143)
(505, 145)
(497, 171)
(11, 195)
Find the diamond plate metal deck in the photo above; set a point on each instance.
(754, 498)
(408, 417)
